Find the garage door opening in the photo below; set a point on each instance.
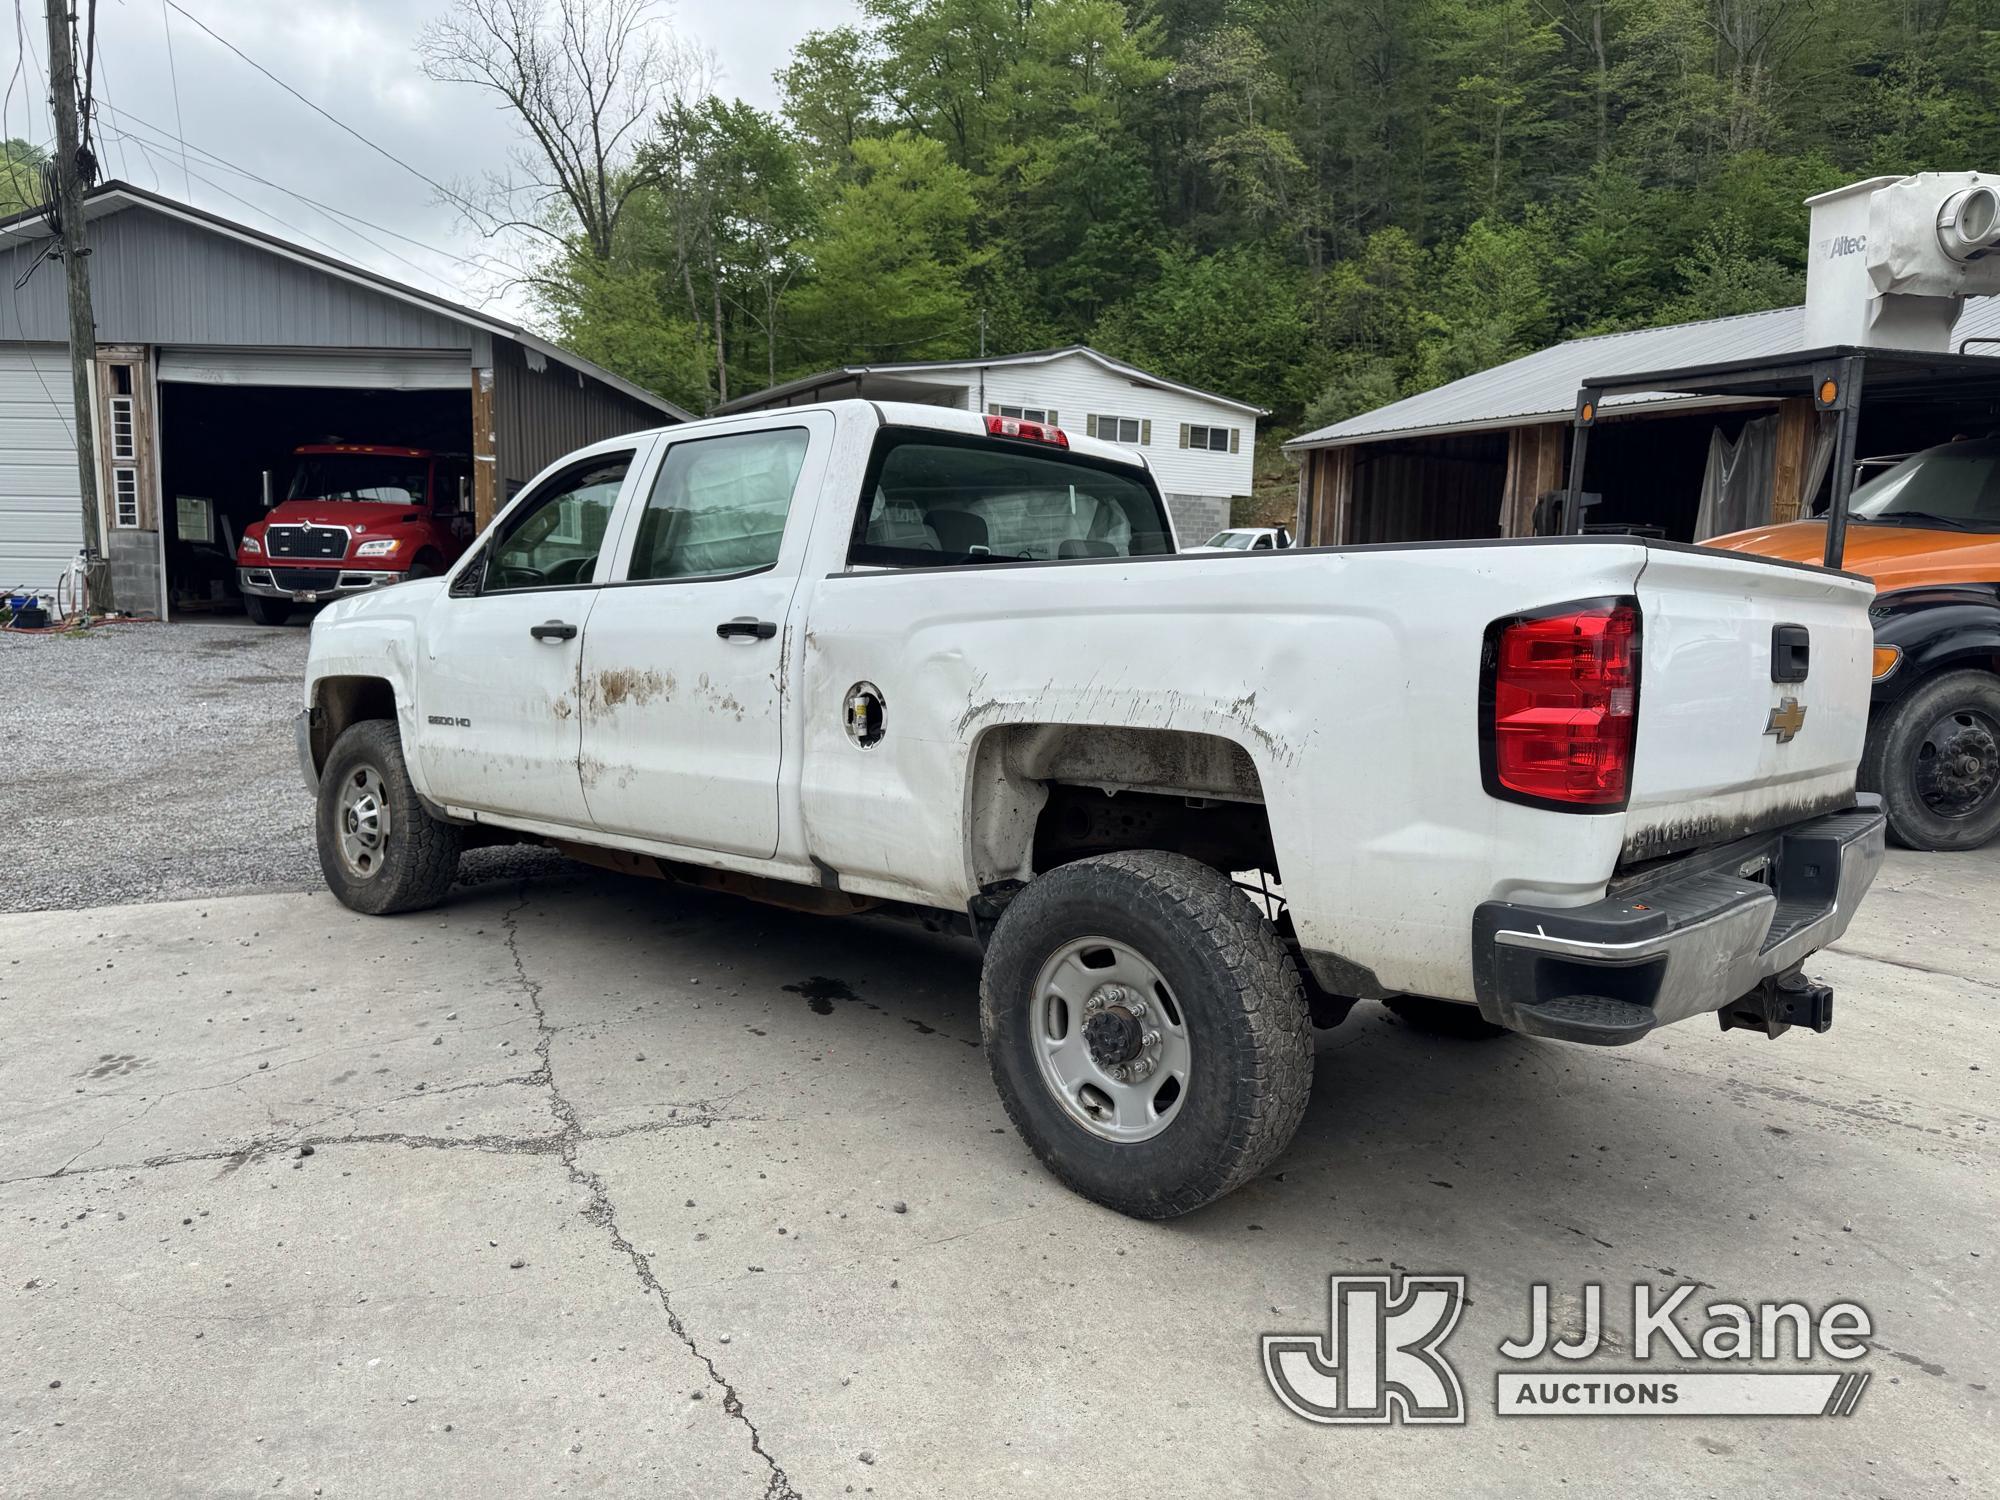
(218, 443)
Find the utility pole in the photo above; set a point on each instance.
(74, 253)
(982, 333)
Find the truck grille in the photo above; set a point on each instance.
(305, 541)
(305, 580)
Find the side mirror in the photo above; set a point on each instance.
(465, 494)
(266, 478)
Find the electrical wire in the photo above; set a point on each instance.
(161, 136)
(383, 151)
(166, 25)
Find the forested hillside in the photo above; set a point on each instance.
(1314, 204)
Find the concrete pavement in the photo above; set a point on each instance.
(620, 1188)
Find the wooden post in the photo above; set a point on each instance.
(1534, 467)
(82, 326)
(1791, 460)
(1337, 498)
(485, 451)
(1302, 523)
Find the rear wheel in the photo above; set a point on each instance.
(379, 849)
(1935, 758)
(267, 611)
(1147, 1031)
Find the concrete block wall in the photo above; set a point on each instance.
(134, 559)
(1198, 517)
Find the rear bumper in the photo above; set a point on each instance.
(310, 585)
(1688, 938)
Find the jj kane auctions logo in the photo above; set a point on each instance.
(1381, 1357)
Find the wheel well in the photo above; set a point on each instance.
(341, 702)
(1045, 794)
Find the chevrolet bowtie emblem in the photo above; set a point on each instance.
(1786, 720)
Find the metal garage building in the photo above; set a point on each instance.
(220, 349)
(1472, 458)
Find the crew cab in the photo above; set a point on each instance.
(1926, 530)
(866, 656)
(354, 516)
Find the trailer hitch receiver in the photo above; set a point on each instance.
(1778, 1004)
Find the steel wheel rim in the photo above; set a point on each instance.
(1957, 765)
(361, 821)
(1117, 1098)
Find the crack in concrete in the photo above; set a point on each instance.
(601, 1211)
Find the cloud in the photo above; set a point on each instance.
(357, 59)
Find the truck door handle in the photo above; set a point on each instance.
(553, 630)
(746, 628)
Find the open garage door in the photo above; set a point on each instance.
(325, 368)
(219, 439)
(41, 516)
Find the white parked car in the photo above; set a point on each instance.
(866, 655)
(1246, 539)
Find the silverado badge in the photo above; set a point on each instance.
(1786, 720)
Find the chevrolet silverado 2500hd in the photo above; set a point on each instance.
(862, 655)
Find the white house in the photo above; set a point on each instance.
(1202, 446)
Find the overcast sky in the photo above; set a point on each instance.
(356, 58)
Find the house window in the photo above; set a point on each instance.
(125, 498)
(1131, 431)
(1025, 413)
(1213, 439)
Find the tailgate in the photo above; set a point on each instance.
(1723, 749)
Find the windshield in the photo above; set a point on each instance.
(1957, 485)
(1235, 541)
(360, 476)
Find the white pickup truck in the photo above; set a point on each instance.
(860, 656)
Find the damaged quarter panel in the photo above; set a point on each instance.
(1354, 697)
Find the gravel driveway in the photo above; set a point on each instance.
(155, 762)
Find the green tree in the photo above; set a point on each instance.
(890, 263)
(20, 176)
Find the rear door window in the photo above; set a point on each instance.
(937, 500)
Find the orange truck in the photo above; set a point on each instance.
(1927, 531)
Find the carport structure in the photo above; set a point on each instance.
(221, 349)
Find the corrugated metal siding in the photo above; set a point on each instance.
(1432, 489)
(1542, 385)
(155, 280)
(540, 416)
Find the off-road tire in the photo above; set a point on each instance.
(266, 611)
(1889, 762)
(419, 857)
(1240, 997)
(1442, 1018)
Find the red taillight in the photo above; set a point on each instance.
(1562, 698)
(1027, 432)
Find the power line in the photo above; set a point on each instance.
(382, 151)
(166, 25)
(165, 141)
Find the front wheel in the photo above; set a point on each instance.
(267, 611)
(379, 849)
(1147, 1031)
(1935, 758)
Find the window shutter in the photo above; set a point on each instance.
(1235, 433)
(1145, 432)
(1054, 420)
(1184, 434)
(1090, 425)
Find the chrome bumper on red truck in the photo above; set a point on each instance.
(310, 585)
(1722, 930)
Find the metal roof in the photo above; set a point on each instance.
(819, 378)
(113, 196)
(1543, 386)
